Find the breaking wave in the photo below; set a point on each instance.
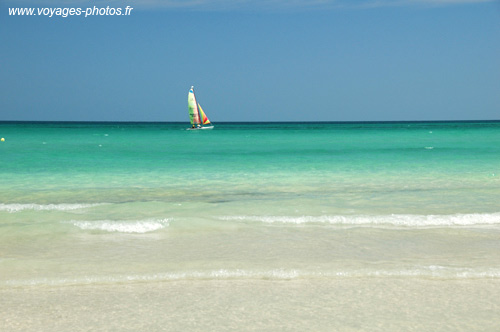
(12, 208)
(405, 220)
(123, 226)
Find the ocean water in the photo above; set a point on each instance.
(250, 227)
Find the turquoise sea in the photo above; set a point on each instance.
(250, 226)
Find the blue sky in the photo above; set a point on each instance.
(298, 60)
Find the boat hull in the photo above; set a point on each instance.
(201, 128)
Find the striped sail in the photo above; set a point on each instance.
(194, 114)
(204, 118)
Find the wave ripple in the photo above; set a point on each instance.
(123, 226)
(12, 208)
(405, 220)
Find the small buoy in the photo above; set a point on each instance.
(2, 139)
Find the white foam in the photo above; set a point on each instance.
(436, 271)
(12, 208)
(433, 272)
(123, 226)
(221, 274)
(406, 220)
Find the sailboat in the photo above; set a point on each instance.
(198, 118)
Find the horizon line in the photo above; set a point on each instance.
(236, 122)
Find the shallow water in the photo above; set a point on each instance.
(352, 226)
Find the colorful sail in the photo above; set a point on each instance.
(198, 118)
(204, 118)
(194, 114)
